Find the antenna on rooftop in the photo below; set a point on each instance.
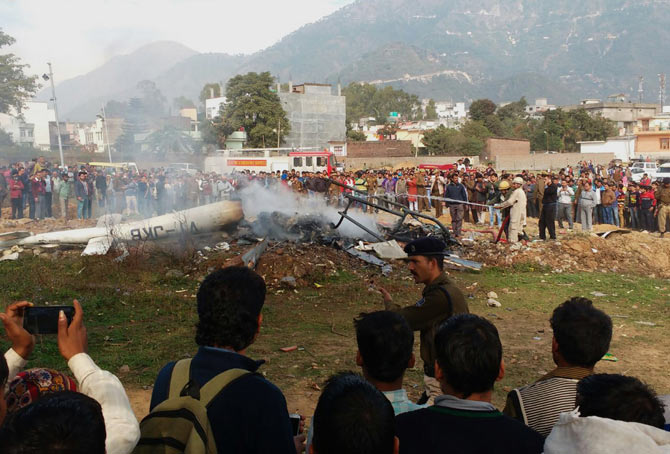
(640, 89)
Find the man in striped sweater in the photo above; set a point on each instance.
(582, 336)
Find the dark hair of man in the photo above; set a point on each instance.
(352, 416)
(4, 372)
(229, 302)
(64, 422)
(469, 352)
(583, 332)
(621, 398)
(385, 342)
(439, 260)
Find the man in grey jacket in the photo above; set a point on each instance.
(587, 200)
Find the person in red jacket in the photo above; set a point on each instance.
(16, 195)
(37, 187)
(647, 207)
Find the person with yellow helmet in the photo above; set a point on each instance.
(516, 202)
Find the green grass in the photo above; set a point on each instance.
(137, 317)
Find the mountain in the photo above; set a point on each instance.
(187, 77)
(564, 48)
(80, 98)
(455, 49)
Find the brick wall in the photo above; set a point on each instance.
(542, 161)
(377, 163)
(499, 147)
(383, 149)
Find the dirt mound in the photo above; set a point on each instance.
(634, 253)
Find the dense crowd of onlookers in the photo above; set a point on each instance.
(586, 193)
(218, 401)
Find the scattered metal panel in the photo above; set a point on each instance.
(369, 258)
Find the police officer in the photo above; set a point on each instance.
(663, 204)
(440, 300)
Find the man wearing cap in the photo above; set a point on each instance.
(663, 204)
(517, 204)
(440, 300)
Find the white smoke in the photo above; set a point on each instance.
(257, 199)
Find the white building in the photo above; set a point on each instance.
(92, 136)
(212, 106)
(450, 110)
(32, 127)
(623, 147)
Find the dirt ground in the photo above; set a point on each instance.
(626, 274)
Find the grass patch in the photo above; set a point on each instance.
(136, 316)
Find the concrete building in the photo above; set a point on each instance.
(213, 105)
(541, 106)
(192, 114)
(316, 114)
(93, 136)
(622, 147)
(32, 126)
(624, 114)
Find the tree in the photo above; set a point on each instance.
(366, 100)
(5, 138)
(356, 136)
(134, 123)
(431, 111)
(182, 102)
(443, 141)
(254, 107)
(210, 90)
(171, 140)
(482, 108)
(514, 110)
(153, 101)
(15, 86)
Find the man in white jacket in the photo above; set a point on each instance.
(121, 425)
(517, 215)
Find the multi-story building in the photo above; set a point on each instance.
(541, 106)
(316, 114)
(653, 136)
(624, 114)
(31, 126)
(213, 106)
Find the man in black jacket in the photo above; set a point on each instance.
(548, 214)
(463, 420)
(249, 415)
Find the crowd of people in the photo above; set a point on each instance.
(218, 401)
(585, 193)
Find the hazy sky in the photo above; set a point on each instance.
(77, 36)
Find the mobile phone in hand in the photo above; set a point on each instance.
(44, 319)
(295, 423)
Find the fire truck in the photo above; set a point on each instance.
(272, 160)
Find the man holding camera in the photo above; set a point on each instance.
(440, 300)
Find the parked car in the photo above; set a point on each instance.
(638, 170)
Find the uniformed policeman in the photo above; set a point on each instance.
(440, 300)
(663, 204)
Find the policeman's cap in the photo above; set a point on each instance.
(428, 246)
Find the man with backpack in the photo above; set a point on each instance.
(217, 398)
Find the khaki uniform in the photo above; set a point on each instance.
(517, 213)
(428, 313)
(333, 194)
(421, 191)
(663, 201)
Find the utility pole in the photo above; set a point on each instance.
(104, 120)
(278, 132)
(53, 93)
(640, 90)
(661, 90)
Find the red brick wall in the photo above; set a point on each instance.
(384, 149)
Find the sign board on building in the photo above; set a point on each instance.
(247, 162)
(393, 114)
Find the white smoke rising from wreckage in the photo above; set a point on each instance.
(257, 199)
